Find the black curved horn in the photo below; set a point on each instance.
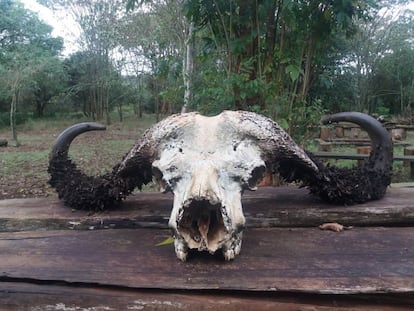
(79, 190)
(362, 183)
(65, 138)
(381, 142)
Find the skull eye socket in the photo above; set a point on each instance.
(159, 178)
(165, 184)
(156, 173)
(256, 176)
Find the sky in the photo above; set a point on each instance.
(66, 27)
(63, 25)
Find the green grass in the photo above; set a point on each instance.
(12, 162)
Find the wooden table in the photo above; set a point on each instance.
(53, 258)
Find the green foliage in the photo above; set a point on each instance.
(290, 60)
(267, 56)
(167, 241)
(26, 50)
(293, 71)
(393, 82)
(21, 118)
(93, 89)
(305, 120)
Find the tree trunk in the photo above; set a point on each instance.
(157, 101)
(280, 66)
(120, 113)
(41, 99)
(188, 65)
(13, 108)
(100, 102)
(40, 108)
(308, 68)
(140, 110)
(272, 18)
(249, 33)
(106, 104)
(92, 103)
(402, 98)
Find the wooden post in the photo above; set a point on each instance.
(363, 150)
(266, 181)
(398, 134)
(270, 180)
(355, 132)
(325, 146)
(325, 133)
(409, 151)
(339, 131)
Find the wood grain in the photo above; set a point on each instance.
(363, 260)
(53, 258)
(267, 207)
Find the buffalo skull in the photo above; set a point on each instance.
(208, 162)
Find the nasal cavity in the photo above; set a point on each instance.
(202, 220)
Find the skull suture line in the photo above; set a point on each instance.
(207, 162)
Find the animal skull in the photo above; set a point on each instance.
(208, 162)
(207, 176)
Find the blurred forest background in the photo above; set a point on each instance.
(293, 60)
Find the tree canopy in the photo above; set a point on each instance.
(27, 51)
(292, 60)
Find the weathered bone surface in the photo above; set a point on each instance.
(207, 162)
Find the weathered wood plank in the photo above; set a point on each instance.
(361, 260)
(267, 207)
(22, 296)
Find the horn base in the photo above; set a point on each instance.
(80, 191)
(350, 186)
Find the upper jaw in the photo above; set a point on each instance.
(203, 224)
(206, 226)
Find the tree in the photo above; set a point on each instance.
(373, 67)
(98, 20)
(266, 55)
(47, 84)
(289, 59)
(160, 34)
(26, 49)
(82, 92)
(392, 83)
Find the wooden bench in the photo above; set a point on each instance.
(356, 142)
(350, 134)
(53, 258)
(408, 159)
(355, 156)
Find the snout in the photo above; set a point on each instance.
(202, 224)
(207, 213)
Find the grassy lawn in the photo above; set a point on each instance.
(23, 170)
